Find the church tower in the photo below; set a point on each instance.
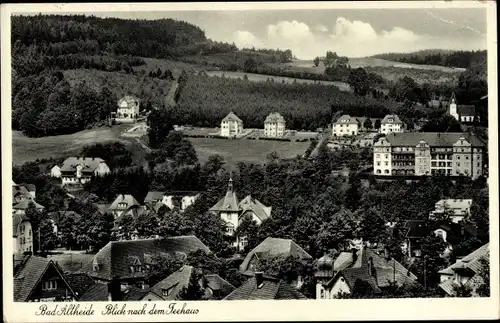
(453, 107)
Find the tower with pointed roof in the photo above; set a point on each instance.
(232, 211)
(453, 107)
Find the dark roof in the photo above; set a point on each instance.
(384, 273)
(19, 190)
(115, 258)
(89, 164)
(273, 247)
(250, 204)
(394, 117)
(79, 282)
(416, 228)
(128, 199)
(232, 117)
(216, 283)
(272, 288)
(435, 139)
(27, 276)
(23, 205)
(96, 292)
(175, 283)
(229, 202)
(153, 196)
(181, 193)
(466, 110)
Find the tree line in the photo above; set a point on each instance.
(462, 59)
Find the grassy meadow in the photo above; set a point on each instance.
(244, 150)
(29, 149)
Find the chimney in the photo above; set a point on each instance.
(354, 255)
(370, 266)
(259, 279)
(114, 290)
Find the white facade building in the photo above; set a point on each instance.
(274, 125)
(231, 126)
(346, 126)
(391, 123)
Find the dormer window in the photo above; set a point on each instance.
(122, 204)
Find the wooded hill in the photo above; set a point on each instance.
(462, 59)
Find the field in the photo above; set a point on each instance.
(389, 70)
(244, 150)
(29, 149)
(278, 79)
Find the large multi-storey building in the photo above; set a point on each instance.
(231, 126)
(428, 153)
(274, 125)
(345, 126)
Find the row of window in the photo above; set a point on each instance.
(49, 285)
(23, 239)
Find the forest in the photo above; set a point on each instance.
(206, 100)
(461, 59)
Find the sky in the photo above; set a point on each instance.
(349, 32)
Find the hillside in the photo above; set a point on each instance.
(147, 88)
(449, 58)
(206, 100)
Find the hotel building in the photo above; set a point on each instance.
(427, 153)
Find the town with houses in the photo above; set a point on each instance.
(375, 208)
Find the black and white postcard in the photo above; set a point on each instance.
(199, 161)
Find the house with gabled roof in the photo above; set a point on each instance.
(233, 212)
(270, 248)
(458, 209)
(465, 272)
(38, 279)
(128, 109)
(171, 199)
(21, 207)
(231, 126)
(462, 113)
(124, 203)
(391, 123)
(128, 262)
(263, 287)
(274, 125)
(345, 126)
(363, 265)
(170, 288)
(216, 287)
(22, 192)
(80, 170)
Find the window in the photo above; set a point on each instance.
(29, 232)
(466, 157)
(458, 164)
(165, 292)
(49, 285)
(386, 163)
(386, 171)
(378, 163)
(378, 171)
(22, 228)
(377, 156)
(386, 156)
(322, 296)
(458, 157)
